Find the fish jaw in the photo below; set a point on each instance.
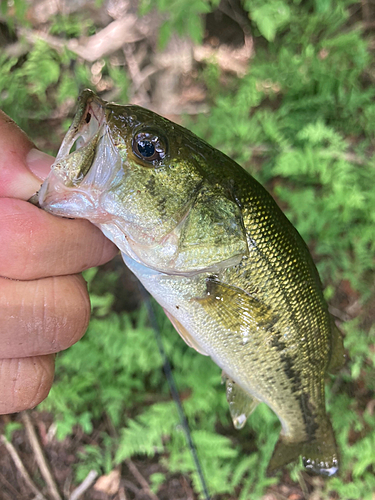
(80, 177)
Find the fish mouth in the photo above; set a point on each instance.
(69, 189)
(77, 151)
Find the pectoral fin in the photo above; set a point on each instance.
(241, 404)
(235, 309)
(184, 334)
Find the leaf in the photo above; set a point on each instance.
(108, 484)
(42, 69)
(195, 28)
(270, 17)
(322, 6)
(165, 33)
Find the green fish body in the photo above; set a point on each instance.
(214, 249)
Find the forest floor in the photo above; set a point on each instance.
(164, 81)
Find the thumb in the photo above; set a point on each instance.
(22, 168)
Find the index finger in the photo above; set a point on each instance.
(36, 244)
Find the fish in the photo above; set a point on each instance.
(214, 249)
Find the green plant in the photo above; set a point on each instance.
(181, 16)
(302, 122)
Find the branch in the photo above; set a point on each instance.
(141, 480)
(21, 468)
(41, 461)
(108, 40)
(122, 494)
(85, 485)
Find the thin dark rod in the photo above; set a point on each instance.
(173, 388)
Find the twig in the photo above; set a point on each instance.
(131, 487)
(141, 480)
(236, 16)
(341, 315)
(189, 492)
(10, 487)
(67, 484)
(365, 10)
(108, 40)
(21, 468)
(132, 64)
(122, 494)
(39, 457)
(134, 71)
(85, 485)
(303, 485)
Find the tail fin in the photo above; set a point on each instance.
(319, 455)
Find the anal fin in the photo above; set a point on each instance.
(241, 404)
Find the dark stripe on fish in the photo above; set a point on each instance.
(153, 190)
(294, 377)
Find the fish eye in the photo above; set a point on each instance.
(149, 146)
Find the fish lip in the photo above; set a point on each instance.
(88, 123)
(70, 190)
(54, 195)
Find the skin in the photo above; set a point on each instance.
(44, 304)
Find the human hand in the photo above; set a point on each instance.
(44, 304)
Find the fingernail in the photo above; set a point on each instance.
(39, 163)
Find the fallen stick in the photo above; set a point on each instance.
(21, 468)
(39, 457)
(141, 480)
(105, 42)
(85, 485)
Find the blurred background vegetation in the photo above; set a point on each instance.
(286, 88)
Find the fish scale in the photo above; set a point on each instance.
(211, 245)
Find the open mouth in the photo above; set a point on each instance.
(78, 149)
(85, 164)
(89, 124)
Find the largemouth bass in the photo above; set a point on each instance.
(214, 249)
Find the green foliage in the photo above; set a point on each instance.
(41, 69)
(117, 367)
(97, 458)
(302, 120)
(306, 106)
(181, 16)
(269, 17)
(34, 86)
(156, 479)
(309, 137)
(10, 428)
(71, 26)
(19, 7)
